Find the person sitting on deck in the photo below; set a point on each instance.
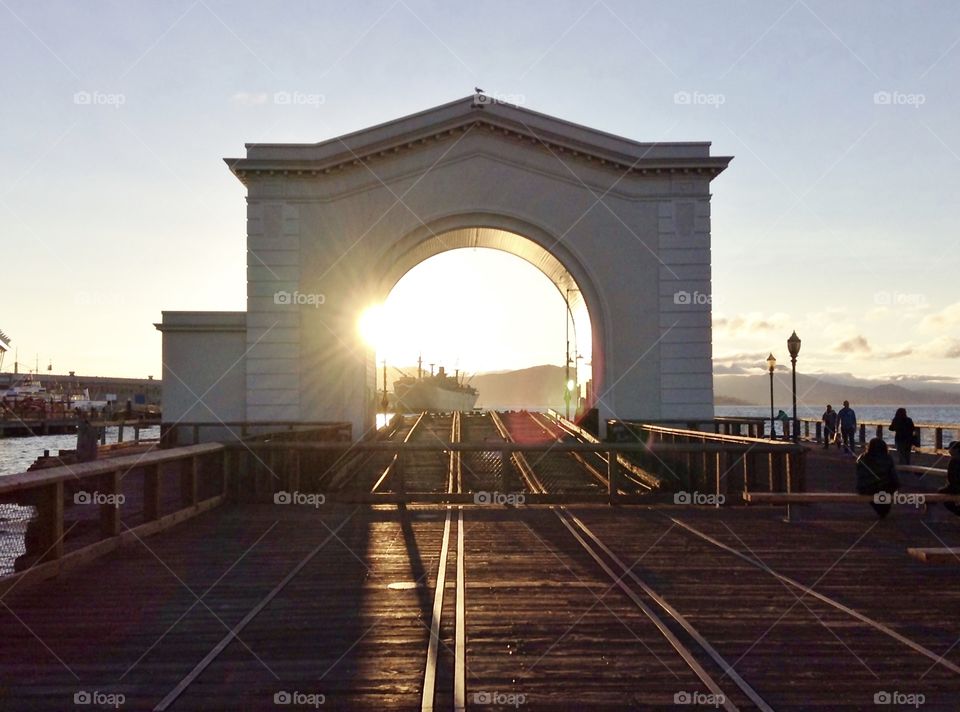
(829, 419)
(953, 476)
(877, 474)
(847, 419)
(903, 426)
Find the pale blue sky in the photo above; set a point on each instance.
(834, 204)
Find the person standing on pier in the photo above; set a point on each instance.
(847, 418)
(904, 428)
(953, 476)
(829, 419)
(877, 474)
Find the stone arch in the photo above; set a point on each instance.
(514, 235)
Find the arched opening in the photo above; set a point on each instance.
(481, 300)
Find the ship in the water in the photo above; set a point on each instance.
(438, 392)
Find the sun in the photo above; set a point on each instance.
(372, 326)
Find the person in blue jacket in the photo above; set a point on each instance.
(847, 419)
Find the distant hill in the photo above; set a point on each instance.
(542, 386)
(755, 390)
(536, 386)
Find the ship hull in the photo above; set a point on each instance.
(423, 396)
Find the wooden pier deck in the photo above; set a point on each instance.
(262, 606)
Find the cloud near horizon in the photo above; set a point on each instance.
(858, 344)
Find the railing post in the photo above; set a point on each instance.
(189, 471)
(110, 513)
(880, 431)
(819, 431)
(749, 469)
(196, 434)
(791, 516)
(151, 492)
(225, 462)
(863, 434)
(613, 476)
(120, 432)
(294, 471)
(938, 438)
(51, 522)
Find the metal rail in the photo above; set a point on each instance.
(392, 467)
(807, 591)
(428, 693)
(582, 533)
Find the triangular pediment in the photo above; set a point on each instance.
(478, 112)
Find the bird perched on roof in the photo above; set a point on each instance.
(478, 90)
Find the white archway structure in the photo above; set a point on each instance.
(334, 225)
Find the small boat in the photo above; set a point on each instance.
(83, 401)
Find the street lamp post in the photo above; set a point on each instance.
(793, 346)
(771, 364)
(568, 384)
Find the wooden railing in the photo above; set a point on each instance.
(193, 432)
(943, 433)
(726, 465)
(76, 512)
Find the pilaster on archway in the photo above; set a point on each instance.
(332, 225)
